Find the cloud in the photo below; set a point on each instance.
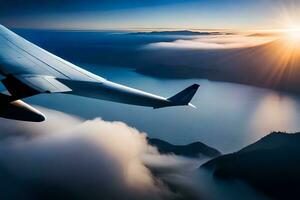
(68, 158)
(213, 42)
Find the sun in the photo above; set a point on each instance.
(289, 22)
(293, 34)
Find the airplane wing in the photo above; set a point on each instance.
(27, 70)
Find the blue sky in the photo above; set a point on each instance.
(125, 14)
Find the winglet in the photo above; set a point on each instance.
(185, 96)
(191, 105)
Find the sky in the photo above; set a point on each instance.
(152, 14)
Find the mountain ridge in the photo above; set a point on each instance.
(270, 165)
(194, 149)
(181, 33)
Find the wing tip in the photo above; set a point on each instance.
(191, 105)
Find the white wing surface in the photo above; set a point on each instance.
(28, 70)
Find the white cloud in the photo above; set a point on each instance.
(66, 156)
(213, 42)
(101, 158)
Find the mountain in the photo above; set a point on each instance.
(179, 33)
(271, 165)
(190, 150)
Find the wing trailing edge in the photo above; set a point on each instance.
(21, 86)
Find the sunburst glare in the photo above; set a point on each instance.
(293, 34)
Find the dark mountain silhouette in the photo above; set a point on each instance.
(180, 33)
(190, 150)
(271, 165)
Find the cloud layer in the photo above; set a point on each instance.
(68, 158)
(213, 42)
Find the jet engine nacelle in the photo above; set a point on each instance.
(19, 110)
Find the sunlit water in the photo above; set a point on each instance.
(228, 116)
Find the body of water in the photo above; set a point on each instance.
(228, 116)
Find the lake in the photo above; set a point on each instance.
(228, 116)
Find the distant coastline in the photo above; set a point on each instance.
(181, 33)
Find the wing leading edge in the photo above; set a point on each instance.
(29, 70)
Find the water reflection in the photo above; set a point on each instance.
(274, 112)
